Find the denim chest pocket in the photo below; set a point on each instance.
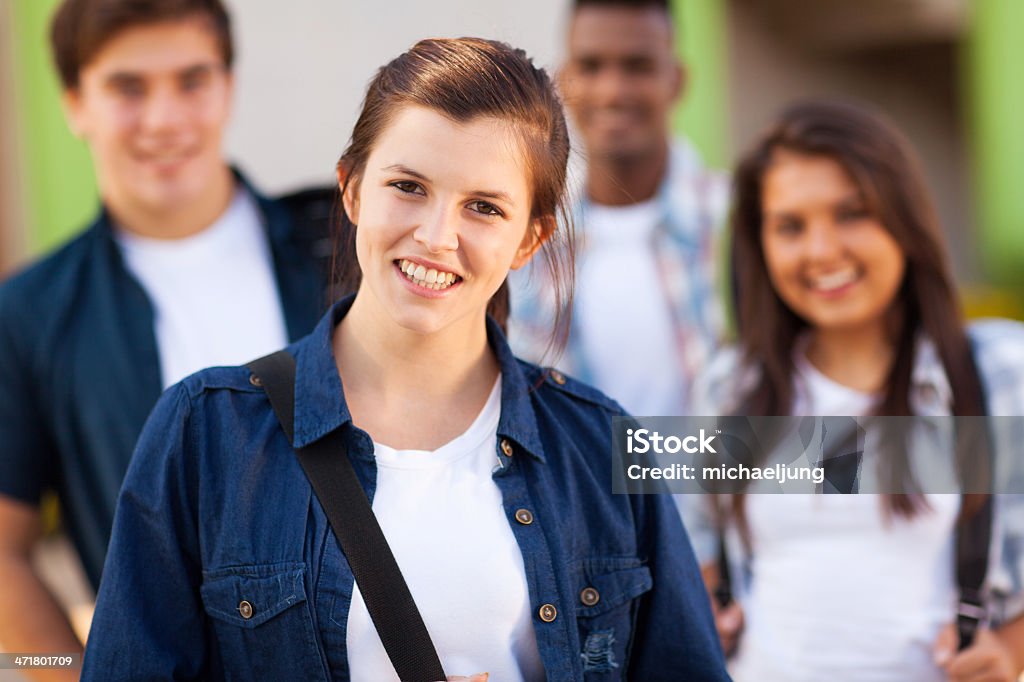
(262, 621)
(607, 601)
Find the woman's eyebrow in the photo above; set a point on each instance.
(492, 194)
(778, 214)
(855, 197)
(405, 170)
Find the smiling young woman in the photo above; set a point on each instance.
(846, 307)
(832, 262)
(486, 474)
(443, 210)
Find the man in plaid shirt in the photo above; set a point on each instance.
(647, 314)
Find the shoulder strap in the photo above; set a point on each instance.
(348, 510)
(973, 540)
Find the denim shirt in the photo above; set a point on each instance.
(216, 511)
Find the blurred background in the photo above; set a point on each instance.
(944, 70)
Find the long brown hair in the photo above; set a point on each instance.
(883, 166)
(463, 79)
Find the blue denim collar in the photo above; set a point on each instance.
(518, 420)
(320, 405)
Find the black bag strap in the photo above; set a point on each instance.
(973, 540)
(348, 510)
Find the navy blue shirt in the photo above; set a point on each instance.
(80, 370)
(216, 510)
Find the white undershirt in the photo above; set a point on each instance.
(214, 295)
(442, 515)
(839, 592)
(622, 314)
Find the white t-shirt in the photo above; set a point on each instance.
(840, 591)
(214, 295)
(442, 515)
(624, 319)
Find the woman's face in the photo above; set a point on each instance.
(829, 258)
(442, 212)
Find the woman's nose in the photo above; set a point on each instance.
(822, 242)
(438, 232)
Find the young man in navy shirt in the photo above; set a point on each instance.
(186, 266)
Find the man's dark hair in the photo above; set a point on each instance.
(81, 28)
(637, 4)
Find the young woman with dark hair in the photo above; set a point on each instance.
(846, 306)
(489, 477)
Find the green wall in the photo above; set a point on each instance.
(995, 102)
(701, 42)
(58, 181)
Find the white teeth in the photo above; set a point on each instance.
(427, 278)
(834, 280)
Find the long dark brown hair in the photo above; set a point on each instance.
(463, 79)
(882, 165)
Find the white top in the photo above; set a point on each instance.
(442, 515)
(621, 313)
(214, 295)
(840, 591)
(817, 394)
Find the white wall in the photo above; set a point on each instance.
(303, 65)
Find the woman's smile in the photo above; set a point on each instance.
(835, 284)
(424, 280)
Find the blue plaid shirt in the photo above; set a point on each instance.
(693, 202)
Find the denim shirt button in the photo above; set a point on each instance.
(506, 447)
(245, 610)
(589, 596)
(558, 377)
(524, 516)
(548, 613)
(255, 380)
